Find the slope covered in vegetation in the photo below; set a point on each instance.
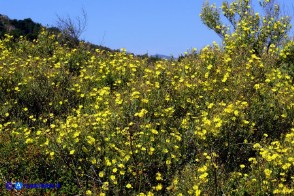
(19, 28)
(218, 121)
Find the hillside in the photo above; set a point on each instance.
(31, 30)
(95, 122)
(17, 28)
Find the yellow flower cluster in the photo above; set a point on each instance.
(212, 121)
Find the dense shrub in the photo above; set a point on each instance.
(111, 123)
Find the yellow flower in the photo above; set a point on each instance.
(165, 150)
(154, 131)
(196, 189)
(108, 163)
(203, 176)
(267, 80)
(210, 105)
(141, 113)
(225, 77)
(158, 176)
(84, 149)
(236, 112)
(135, 95)
(156, 84)
(90, 140)
(93, 161)
(76, 134)
(198, 192)
(101, 174)
(112, 177)
(145, 100)
(267, 173)
(246, 122)
(151, 150)
(202, 169)
(150, 194)
(158, 187)
(257, 86)
(286, 166)
(88, 192)
(129, 186)
(206, 75)
(29, 141)
(256, 145)
(72, 152)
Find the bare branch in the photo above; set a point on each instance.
(72, 29)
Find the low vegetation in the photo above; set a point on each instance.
(217, 121)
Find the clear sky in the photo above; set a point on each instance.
(169, 27)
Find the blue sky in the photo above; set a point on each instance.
(169, 27)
